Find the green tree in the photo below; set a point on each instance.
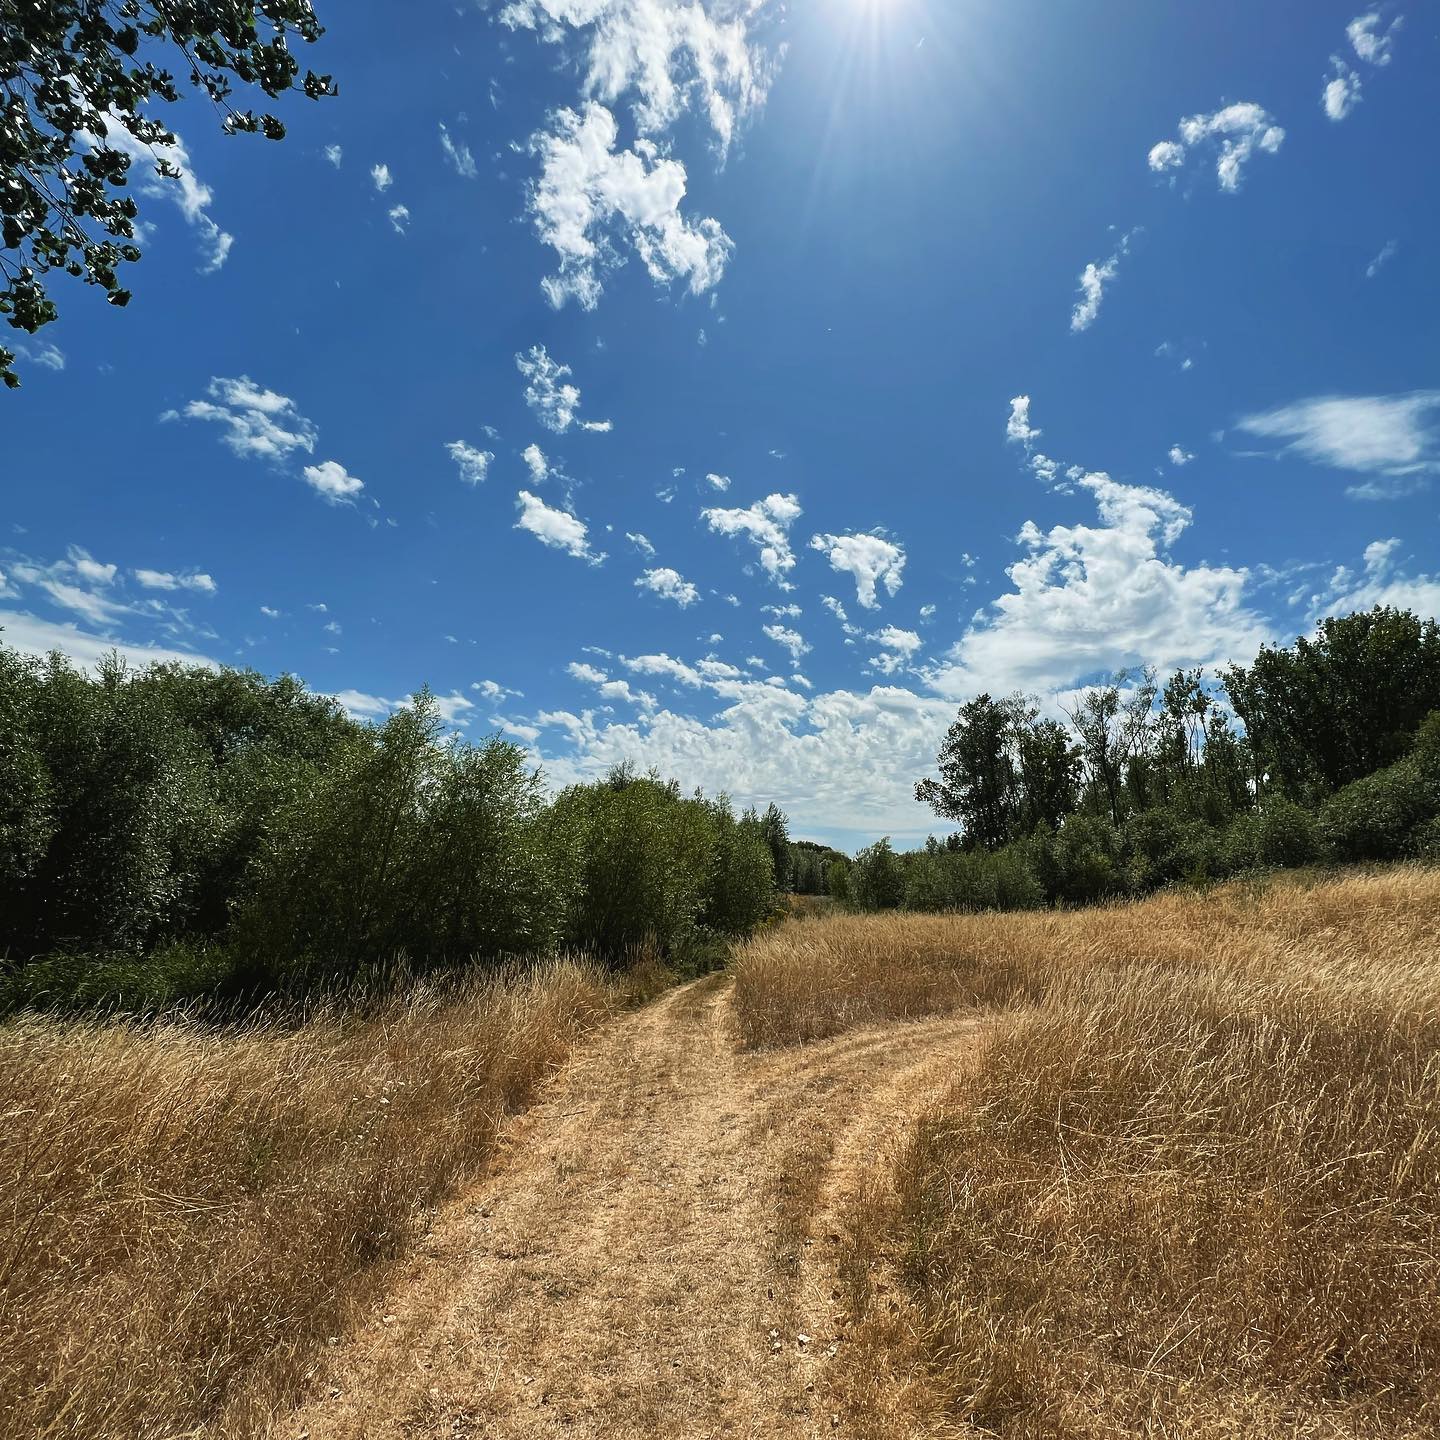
(877, 878)
(775, 826)
(978, 784)
(1112, 722)
(77, 75)
(1334, 708)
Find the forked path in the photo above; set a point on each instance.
(649, 1256)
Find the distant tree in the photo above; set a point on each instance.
(775, 827)
(877, 878)
(978, 782)
(1330, 710)
(1049, 772)
(75, 74)
(1003, 771)
(1112, 722)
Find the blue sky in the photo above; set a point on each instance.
(920, 349)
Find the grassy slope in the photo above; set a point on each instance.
(1190, 1187)
(185, 1213)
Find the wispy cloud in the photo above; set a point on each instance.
(458, 154)
(1093, 280)
(1393, 437)
(550, 394)
(257, 423)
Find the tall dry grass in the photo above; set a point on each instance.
(185, 1212)
(1191, 1184)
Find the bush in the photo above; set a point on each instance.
(1277, 835)
(1162, 847)
(877, 880)
(647, 860)
(1083, 861)
(1386, 815)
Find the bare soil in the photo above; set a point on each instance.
(657, 1250)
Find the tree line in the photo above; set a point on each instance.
(1324, 751)
(179, 830)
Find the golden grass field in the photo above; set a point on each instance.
(1166, 1169)
(1189, 1185)
(185, 1212)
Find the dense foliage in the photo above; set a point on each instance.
(1338, 760)
(180, 829)
(78, 79)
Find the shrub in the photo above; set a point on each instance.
(1385, 815)
(877, 880)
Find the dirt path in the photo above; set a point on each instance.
(650, 1249)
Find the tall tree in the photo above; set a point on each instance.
(978, 781)
(1113, 724)
(775, 827)
(76, 77)
(1342, 705)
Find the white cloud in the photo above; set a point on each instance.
(167, 580)
(560, 529)
(536, 463)
(1371, 44)
(590, 674)
(718, 482)
(1089, 599)
(589, 196)
(492, 690)
(1343, 90)
(38, 352)
(838, 611)
(92, 571)
(334, 154)
(32, 636)
(1391, 436)
(836, 760)
(453, 708)
(269, 612)
(869, 558)
(259, 424)
(899, 648)
(1093, 280)
(667, 56)
(669, 585)
(474, 465)
(791, 640)
(382, 177)
(1018, 427)
(1378, 583)
(548, 392)
(641, 543)
(1179, 457)
(457, 154)
(1387, 253)
(360, 706)
(766, 524)
(1237, 130)
(332, 482)
(782, 612)
(399, 216)
(182, 186)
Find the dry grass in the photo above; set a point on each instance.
(185, 1213)
(1190, 1187)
